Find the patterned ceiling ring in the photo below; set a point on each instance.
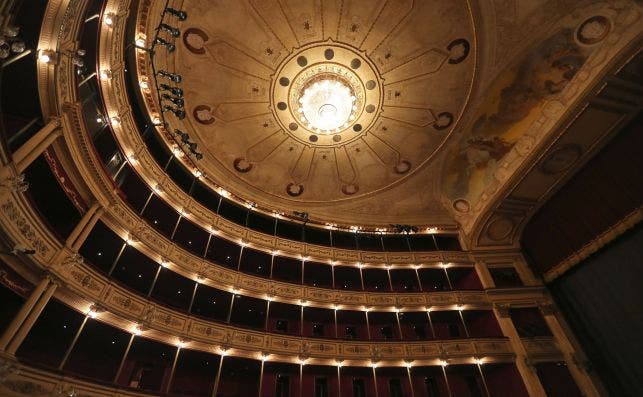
(194, 40)
(458, 51)
(561, 159)
(315, 70)
(443, 121)
(593, 30)
(242, 165)
(294, 190)
(350, 189)
(402, 167)
(203, 114)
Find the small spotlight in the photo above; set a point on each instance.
(179, 113)
(109, 19)
(105, 74)
(169, 46)
(177, 92)
(172, 76)
(181, 15)
(174, 32)
(179, 102)
(45, 56)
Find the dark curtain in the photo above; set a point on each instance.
(602, 300)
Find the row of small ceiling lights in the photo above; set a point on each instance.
(182, 140)
(138, 330)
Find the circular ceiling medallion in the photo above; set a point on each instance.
(593, 30)
(335, 91)
(500, 228)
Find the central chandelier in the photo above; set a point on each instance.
(327, 105)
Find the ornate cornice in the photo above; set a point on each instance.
(82, 287)
(596, 244)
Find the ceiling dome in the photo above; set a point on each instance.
(337, 111)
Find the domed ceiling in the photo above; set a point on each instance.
(336, 108)
(377, 112)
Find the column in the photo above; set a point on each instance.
(26, 308)
(31, 318)
(408, 372)
(399, 325)
(263, 362)
(218, 377)
(122, 363)
(84, 227)
(375, 380)
(73, 343)
(484, 275)
(166, 388)
(585, 382)
(527, 372)
(37, 144)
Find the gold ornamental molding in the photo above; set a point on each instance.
(599, 242)
(19, 380)
(131, 227)
(83, 288)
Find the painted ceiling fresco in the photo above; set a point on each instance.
(438, 114)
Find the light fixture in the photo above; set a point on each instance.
(179, 102)
(180, 14)
(140, 42)
(144, 85)
(174, 32)
(105, 74)
(327, 104)
(170, 47)
(46, 56)
(137, 330)
(179, 113)
(177, 92)
(172, 76)
(478, 361)
(109, 19)
(114, 121)
(444, 363)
